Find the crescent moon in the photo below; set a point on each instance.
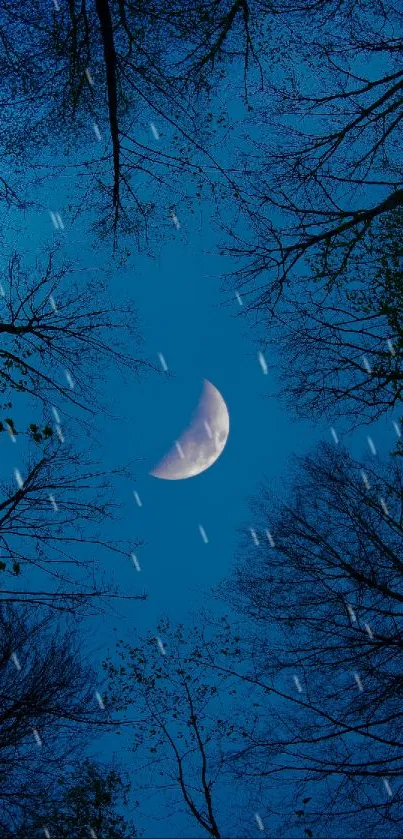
(201, 444)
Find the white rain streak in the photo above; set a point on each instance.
(352, 614)
(262, 362)
(259, 821)
(52, 302)
(59, 433)
(359, 682)
(334, 435)
(154, 131)
(53, 503)
(175, 220)
(384, 507)
(56, 220)
(365, 479)
(92, 833)
(56, 415)
(397, 429)
(371, 445)
(16, 661)
(297, 684)
(179, 450)
(136, 562)
(270, 538)
(99, 700)
(239, 298)
(254, 536)
(18, 478)
(208, 429)
(37, 737)
(46, 832)
(391, 347)
(387, 787)
(11, 433)
(369, 630)
(89, 77)
(57, 8)
(69, 379)
(2, 292)
(161, 647)
(366, 364)
(97, 131)
(137, 498)
(163, 362)
(203, 534)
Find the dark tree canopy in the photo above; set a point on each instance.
(337, 555)
(339, 339)
(330, 164)
(53, 515)
(59, 333)
(47, 710)
(190, 724)
(116, 65)
(84, 802)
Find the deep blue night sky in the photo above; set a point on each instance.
(185, 315)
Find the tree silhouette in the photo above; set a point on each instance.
(188, 723)
(340, 342)
(85, 802)
(112, 64)
(47, 708)
(52, 521)
(331, 166)
(49, 714)
(58, 333)
(334, 659)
